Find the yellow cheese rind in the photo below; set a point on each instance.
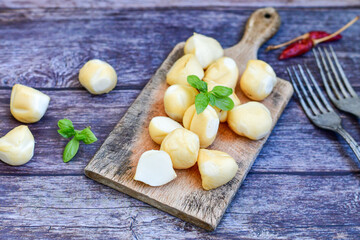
(177, 99)
(17, 146)
(183, 147)
(98, 77)
(205, 124)
(216, 168)
(27, 104)
(160, 127)
(224, 72)
(258, 80)
(252, 120)
(206, 49)
(182, 68)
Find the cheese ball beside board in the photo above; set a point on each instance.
(29, 105)
(17, 146)
(98, 77)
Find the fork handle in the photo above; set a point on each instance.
(351, 141)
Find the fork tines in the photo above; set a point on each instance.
(313, 102)
(335, 81)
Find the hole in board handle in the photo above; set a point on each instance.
(267, 15)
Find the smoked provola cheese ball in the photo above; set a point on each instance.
(223, 71)
(205, 124)
(206, 49)
(98, 77)
(223, 114)
(155, 168)
(183, 147)
(252, 120)
(258, 80)
(160, 127)
(182, 68)
(27, 104)
(17, 146)
(216, 168)
(177, 99)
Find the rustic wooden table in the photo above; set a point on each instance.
(303, 185)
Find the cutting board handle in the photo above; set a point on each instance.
(261, 25)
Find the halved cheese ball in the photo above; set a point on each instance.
(182, 68)
(183, 146)
(160, 127)
(252, 120)
(223, 114)
(216, 168)
(258, 80)
(17, 146)
(177, 99)
(98, 77)
(206, 49)
(223, 71)
(155, 168)
(27, 104)
(205, 124)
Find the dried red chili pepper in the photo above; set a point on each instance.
(304, 45)
(297, 48)
(307, 41)
(322, 34)
(312, 35)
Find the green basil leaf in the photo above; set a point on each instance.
(66, 128)
(195, 82)
(86, 135)
(212, 99)
(78, 136)
(66, 133)
(201, 102)
(65, 124)
(222, 91)
(224, 103)
(70, 150)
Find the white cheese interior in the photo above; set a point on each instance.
(212, 127)
(210, 169)
(165, 124)
(229, 63)
(155, 168)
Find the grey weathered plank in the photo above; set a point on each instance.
(295, 145)
(99, 112)
(173, 3)
(267, 206)
(117, 36)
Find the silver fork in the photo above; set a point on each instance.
(335, 81)
(317, 108)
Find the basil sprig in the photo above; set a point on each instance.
(66, 129)
(217, 97)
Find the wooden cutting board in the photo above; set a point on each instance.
(115, 163)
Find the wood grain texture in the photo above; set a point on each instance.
(260, 27)
(303, 184)
(301, 151)
(267, 206)
(76, 105)
(117, 36)
(115, 162)
(173, 3)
